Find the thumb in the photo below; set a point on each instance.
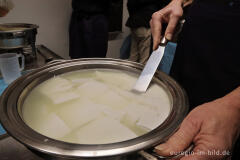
(181, 140)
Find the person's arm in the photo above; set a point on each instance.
(212, 127)
(171, 15)
(3, 12)
(5, 7)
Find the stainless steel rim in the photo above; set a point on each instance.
(18, 38)
(14, 95)
(26, 25)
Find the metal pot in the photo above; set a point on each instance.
(17, 35)
(13, 97)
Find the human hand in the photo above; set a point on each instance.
(3, 12)
(171, 15)
(5, 7)
(213, 128)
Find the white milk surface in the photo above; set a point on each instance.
(94, 107)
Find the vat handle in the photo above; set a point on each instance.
(155, 156)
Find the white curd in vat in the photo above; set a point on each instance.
(94, 107)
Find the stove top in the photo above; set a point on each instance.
(36, 57)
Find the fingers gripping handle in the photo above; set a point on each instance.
(177, 31)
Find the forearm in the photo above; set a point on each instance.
(232, 101)
(233, 98)
(5, 7)
(3, 12)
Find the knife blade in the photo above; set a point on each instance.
(150, 68)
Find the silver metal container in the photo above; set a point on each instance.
(13, 97)
(17, 35)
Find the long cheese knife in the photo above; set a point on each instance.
(150, 68)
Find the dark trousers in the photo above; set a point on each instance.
(88, 36)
